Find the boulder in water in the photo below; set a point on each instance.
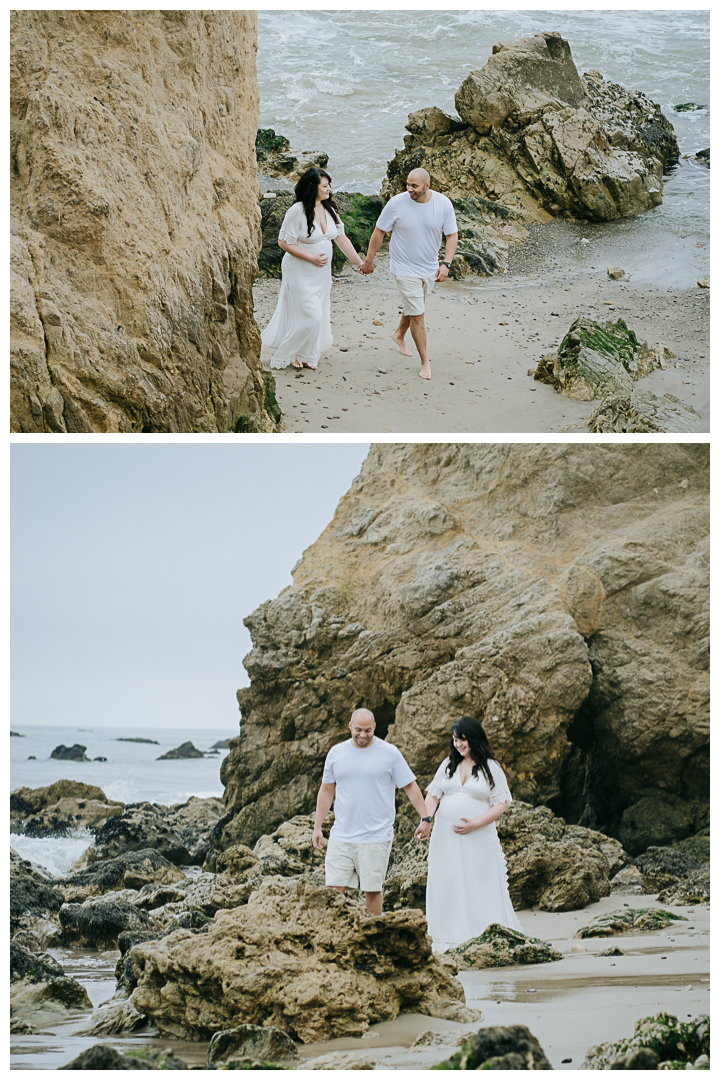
(40, 992)
(185, 750)
(34, 901)
(136, 830)
(98, 922)
(70, 753)
(276, 158)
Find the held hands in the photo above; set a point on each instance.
(366, 267)
(317, 839)
(442, 273)
(469, 826)
(423, 831)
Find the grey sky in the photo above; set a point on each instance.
(134, 566)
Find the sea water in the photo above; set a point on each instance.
(344, 82)
(131, 773)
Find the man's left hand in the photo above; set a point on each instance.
(442, 272)
(423, 831)
(469, 826)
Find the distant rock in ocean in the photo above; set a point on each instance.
(17, 734)
(70, 753)
(221, 744)
(153, 741)
(187, 750)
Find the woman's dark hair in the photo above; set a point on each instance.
(480, 749)
(306, 191)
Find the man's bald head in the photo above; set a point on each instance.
(362, 714)
(420, 176)
(362, 728)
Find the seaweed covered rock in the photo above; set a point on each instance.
(103, 1057)
(599, 360)
(34, 901)
(662, 867)
(535, 137)
(70, 753)
(68, 815)
(98, 922)
(628, 920)
(136, 830)
(132, 870)
(498, 1047)
(251, 1041)
(301, 958)
(641, 412)
(358, 213)
(276, 158)
(694, 889)
(40, 991)
(498, 946)
(662, 1038)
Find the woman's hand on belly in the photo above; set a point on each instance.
(468, 825)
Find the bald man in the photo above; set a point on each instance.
(417, 219)
(361, 775)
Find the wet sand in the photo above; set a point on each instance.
(484, 334)
(569, 1005)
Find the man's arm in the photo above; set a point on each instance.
(375, 241)
(326, 794)
(451, 243)
(415, 796)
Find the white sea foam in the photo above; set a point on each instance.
(56, 853)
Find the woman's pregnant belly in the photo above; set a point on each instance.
(454, 807)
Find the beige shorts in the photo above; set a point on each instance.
(359, 866)
(414, 292)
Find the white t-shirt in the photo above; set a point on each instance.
(365, 780)
(417, 230)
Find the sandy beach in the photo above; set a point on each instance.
(484, 334)
(569, 1005)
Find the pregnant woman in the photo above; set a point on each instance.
(467, 875)
(300, 328)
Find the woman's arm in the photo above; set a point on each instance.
(319, 259)
(345, 245)
(423, 830)
(477, 823)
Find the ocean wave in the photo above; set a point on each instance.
(56, 853)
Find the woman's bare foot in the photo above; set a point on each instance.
(298, 367)
(400, 342)
(313, 367)
(424, 372)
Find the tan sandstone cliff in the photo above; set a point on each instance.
(135, 223)
(556, 592)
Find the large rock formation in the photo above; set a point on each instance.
(558, 593)
(541, 141)
(300, 958)
(134, 222)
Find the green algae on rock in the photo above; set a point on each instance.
(675, 1044)
(499, 946)
(511, 1047)
(627, 920)
(599, 360)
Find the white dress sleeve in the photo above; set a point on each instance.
(290, 228)
(340, 227)
(501, 791)
(434, 787)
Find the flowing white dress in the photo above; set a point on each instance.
(300, 326)
(467, 875)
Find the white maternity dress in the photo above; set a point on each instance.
(300, 326)
(467, 875)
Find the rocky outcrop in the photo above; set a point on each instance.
(98, 922)
(115, 1018)
(186, 750)
(535, 137)
(500, 1048)
(134, 222)
(132, 870)
(595, 360)
(642, 412)
(40, 992)
(25, 802)
(297, 957)
(663, 867)
(70, 753)
(626, 920)
(275, 158)
(251, 1041)
(694, 889)
(358, 213)
(194, 821)
(660, 1038)
(557, 592)
(34, 901)
(498, 946)
(137, 829)
(67, 815)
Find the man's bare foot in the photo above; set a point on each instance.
(424, 371)
(400, 342)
